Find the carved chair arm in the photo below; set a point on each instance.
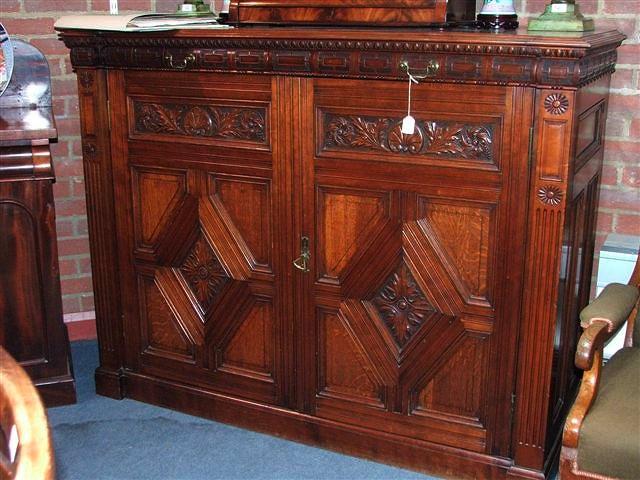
(588, 358)
(591, 341)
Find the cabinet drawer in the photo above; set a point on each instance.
(459, 128)
(207, 110)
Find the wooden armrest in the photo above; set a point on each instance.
(588, 358)
(591, 341)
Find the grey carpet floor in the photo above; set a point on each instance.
(101, 438)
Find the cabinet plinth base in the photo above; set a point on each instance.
(395, 450)
(109, 383)
(57, 392)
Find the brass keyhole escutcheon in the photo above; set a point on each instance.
(303, 261)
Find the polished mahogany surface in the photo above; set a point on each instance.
(31, 327)
(352, 12)
(289, 261)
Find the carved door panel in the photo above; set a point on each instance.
(197, 183)
(407, 312)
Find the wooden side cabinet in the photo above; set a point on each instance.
(272, 251)
(31, 326)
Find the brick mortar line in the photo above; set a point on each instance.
(625, 138)
(75, 276)
(70, 197)
(76, 256)
(625, 92)
(616, 212)
(622, 188)
(74, 237)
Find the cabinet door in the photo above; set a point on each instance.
(196, 186)
(412, 294)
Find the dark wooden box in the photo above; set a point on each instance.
(352, 12)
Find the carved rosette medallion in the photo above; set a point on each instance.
(89, 150)
(402, 305)
(205, 121)
(86, 79)
(441, 138)
(556, 104)
(204, 273)
(550, 195)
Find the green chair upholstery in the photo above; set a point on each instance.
(613, 306)
(610, 435)
(601, 436)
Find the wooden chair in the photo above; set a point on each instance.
(25, 443)
(601, 437)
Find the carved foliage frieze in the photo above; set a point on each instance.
(402, 305)
(431, 137)
(204, 121)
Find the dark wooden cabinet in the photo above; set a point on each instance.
(270, 250)
(31, 326)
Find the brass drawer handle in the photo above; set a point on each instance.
(432, 68)
(188, 59)
(303, 261)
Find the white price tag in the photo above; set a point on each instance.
(408, 125)
(559, 8)
(14, 441)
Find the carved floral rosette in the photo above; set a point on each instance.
(402, 305)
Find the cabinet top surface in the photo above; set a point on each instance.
(520, 37)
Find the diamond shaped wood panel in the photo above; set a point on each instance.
(402, 305)
(404, 297)
(204, 273)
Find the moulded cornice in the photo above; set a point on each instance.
(471, 60)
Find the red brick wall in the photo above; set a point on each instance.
(33, 20)
(619, 208)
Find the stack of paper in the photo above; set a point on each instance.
(136, 22)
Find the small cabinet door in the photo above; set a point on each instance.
(409, 317)
(196, 187)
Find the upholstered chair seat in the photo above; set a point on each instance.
(610, 435)
(601, 437)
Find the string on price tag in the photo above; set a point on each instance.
(408, 122)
